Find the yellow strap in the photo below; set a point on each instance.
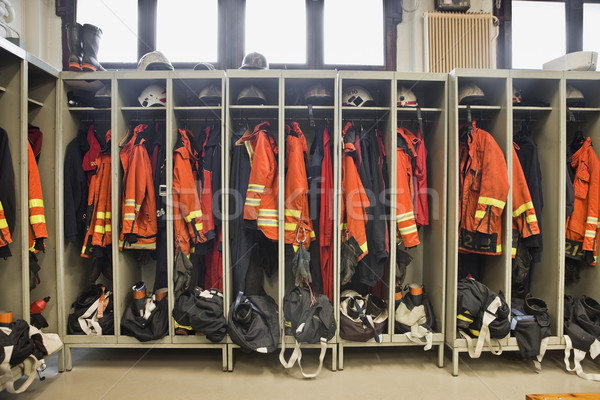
(491, 202)
(36, 203)
(522, 209)
(364, 247)
(463, 318)
(37, 219)
(479, 214)
(250, 151)
(343, 226)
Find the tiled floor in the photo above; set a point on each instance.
(383, 373)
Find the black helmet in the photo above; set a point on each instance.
(254, 61)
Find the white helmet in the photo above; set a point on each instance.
(574, 97)
(154, 61)
(406, 98)
(153, 95)
(251, 96)
(318, 95)
(470, 93)
(210, 95)
(517, 97)
(357, 96)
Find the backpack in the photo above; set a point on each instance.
(92, 312)
(254, 323)
(310, 320)
(362, 318)
(416, 322)
(483, 314)
(202, 311)
(582, 333)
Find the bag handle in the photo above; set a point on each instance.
(367, 320)
(578, 356)
(297, 356)
(6, 378)
(489, 315)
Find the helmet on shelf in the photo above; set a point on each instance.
(204, 66)
(470, 93)
(357, 96)
(154, 61)
(254, 61)
(406, 98)
(574, 97)
(517, 97)
(210, 95)
(152, 96)
(318, 95)
(251, 96)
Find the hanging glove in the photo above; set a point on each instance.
(183, 272)
(348, 263)
(301, 266)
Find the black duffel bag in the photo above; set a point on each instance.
(153, 325)
(202, 311)
(92, 312)
(254, 323)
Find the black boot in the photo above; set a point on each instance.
(75, 46)
(90, 37)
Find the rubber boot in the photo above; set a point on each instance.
(75, 46)
(90, 38)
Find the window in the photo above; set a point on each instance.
(277, 29)
(189, 36)
(118, 21)
(353, 32)
(538, 31)
(591, 27)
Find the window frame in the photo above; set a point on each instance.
(230, 46)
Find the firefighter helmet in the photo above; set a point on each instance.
(470, 93)
(406, 98)
(251, 96)
(254, 61)
(318, 95)
(357, 96)
(210, 95)
(204, 66)
(574, 97)
(154, 61)
(517, 97)
(153, 95)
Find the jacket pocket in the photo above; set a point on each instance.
(581, 184)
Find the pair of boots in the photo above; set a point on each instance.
(83, 47)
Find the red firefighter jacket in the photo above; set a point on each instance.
(483, 189)
(354, 199)
(582, 224)
(524, 218)
(99, 218)
(187, 210)
(420, 182)
(405, 217)
(298, 225)
(37, 219)
(261, 198)
(138, 224)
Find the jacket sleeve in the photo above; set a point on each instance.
(185, 197)
(591, 221)
(523, 211)
(405, 217)
(37, 219)
(494, 184)
(133, 194)
(261, 169)
(355, 202)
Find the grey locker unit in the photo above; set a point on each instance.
(243, 117)
(496, 118)
(124, 114)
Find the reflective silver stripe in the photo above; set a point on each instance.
(266, 222)
(589, 233)
(591, 220)
(129, 216)
(406, 216)
(263, 212)
(129, 203)
(408, 230)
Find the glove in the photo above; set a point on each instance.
(348, 263)
(301, 266)
(403, 259)
(183, 273)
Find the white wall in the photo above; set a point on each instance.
(410, 31)
(39, 27)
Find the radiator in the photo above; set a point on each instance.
(458, 40)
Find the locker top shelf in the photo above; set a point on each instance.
(414, 109)
(479, 107)
(531, 108)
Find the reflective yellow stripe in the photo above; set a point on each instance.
(531, 218)
(491, 202)
(108, 215)
(290, 226)
(249, 150)
(256, 188)
(479, 214)
(475, 332)
(129, 203)
(137, 207)
(514, 251)
(312, 234)
(100, 215)
(99, 229)
(589, 233)
(296, 247)
(265, 212)
(177, 325)
(252, 202)
(1, 208)
(129, 216)
(36, 203)
(192, 215)
(199, 227)
(499, 248)
(591, 220)
(408, 230)
(37, 219)
(266, 222)
(3, 224)
(343, 226)
(289, 212)
(463, 318)
(522, 209)
(108, 227)
(363, 247)
(405, 217)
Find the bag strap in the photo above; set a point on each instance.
(489, 315)
(578, 356)
(297, 356)
(416, 335)
(6, 377)
(367, 320)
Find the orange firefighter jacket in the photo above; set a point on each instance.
(261, 197)
(524, 218)
(138, 224)
(99, 229)
(37, 220)
(582, 224)
(354, 200)
(405, 216)
(483, 191)
(298, 225)
(187, 203)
